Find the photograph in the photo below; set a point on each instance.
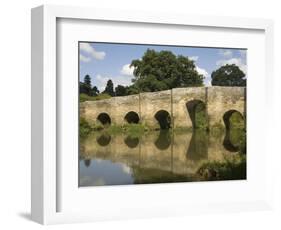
(156, 113)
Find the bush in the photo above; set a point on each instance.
(233, 168)
(84, 127)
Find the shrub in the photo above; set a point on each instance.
(233, 168)
(84, 127)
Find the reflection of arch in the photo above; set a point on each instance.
(227, 115)
(132, 142)
(228, 145)
(132, 117)
(87, 162)
(104, 119)
(104, 139)
(164, 119)
(164, 140)
(195, 107)
(198, 146)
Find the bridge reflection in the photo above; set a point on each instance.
(181, 153)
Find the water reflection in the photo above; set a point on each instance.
(164, 140)
(158, 156)
(132, 142)
(198, 147)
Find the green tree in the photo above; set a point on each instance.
(132, 89)
(109, 89)
(120, 90)
(87, 81)
(95, 91)
(86, 86)
(163, 70)
(228, 75)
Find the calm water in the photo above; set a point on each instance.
(155, 157)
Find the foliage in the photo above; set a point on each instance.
(237, 131)
(109, 89)
(86, 87)
(84, 127)
(120, 90)
(233, 168)
(163, 70)
(95, 91)
(135, 130)
(228, 75)
(87, 80)
(201, 119)
(102, 96)
(236, 121)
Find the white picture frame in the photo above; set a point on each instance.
(46, 163)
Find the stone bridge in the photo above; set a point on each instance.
(176, 105)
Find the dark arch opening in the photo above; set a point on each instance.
(132, 142)
(104, 139)
(104, 119)
(197, 113)
(132, 117)
(235, 134)
(232, 119)
(164, 119)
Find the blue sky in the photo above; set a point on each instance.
(104, 61)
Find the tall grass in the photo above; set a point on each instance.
(84, 97)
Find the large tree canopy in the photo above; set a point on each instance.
(228, 75)
(163, 70)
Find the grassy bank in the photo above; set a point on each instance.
(134, 130)
(84, 97)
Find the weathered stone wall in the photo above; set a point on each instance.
(218, 101)
(223, 99)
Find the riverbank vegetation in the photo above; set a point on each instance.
(232, 168)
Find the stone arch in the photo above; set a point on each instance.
(104, 119)
(164, 119)
(192, 106)
(227, 115)
(132, 117)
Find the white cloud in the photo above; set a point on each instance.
(87, 48)
(126, 169)
(194, 58)
(100, 81)
(207, 78)
(202, 71)
(237, 61)
(127, 70)
(84, 58)
(208, 81)
(226, 53)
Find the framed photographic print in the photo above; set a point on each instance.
(137, 114)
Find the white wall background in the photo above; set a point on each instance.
(15, 112)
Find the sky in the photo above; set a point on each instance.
(104, 61)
